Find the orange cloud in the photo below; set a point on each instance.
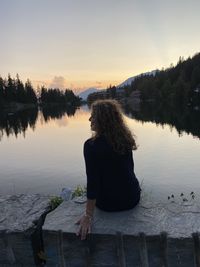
(58, 82)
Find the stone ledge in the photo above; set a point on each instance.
(20, 213)
(21, 220)
(151, 234)
(178, 220)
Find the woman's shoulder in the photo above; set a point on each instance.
(89, 142)
(91, 146)
(94, 141)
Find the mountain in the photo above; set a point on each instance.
(131, 79)
(88, 91)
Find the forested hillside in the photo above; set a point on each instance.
(177, 86)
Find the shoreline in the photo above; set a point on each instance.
(16, 106)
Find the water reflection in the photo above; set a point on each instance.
(15, 123)
(52, 157)
(184, 121)
(18, 122)
(57, 112)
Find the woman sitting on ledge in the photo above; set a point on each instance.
(111, 182)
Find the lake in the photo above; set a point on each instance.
(42, 153)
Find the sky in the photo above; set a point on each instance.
(78, 44)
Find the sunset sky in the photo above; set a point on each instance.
(79, 44)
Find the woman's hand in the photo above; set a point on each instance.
(84, 223)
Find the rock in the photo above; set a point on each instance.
(178, 220)
(151, 233)
(21, 218)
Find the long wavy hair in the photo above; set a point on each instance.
(108, 121)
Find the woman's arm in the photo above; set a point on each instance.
(85, 221)
(92, 182)
(90, 206)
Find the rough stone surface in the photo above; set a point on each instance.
(129, 238)
(21, 219)
(19, 213)
(177, 219)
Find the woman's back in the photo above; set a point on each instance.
(110, 176)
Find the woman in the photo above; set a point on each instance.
(111, 182)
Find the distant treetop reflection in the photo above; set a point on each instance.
(15, 123)
(18, 122)
(57, 112)
(183, 120)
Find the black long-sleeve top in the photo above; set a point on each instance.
(110, 176)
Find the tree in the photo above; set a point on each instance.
(20, 91)
(167, 92)
(181, 91)
(10, 90)
(195, 80)
(2, 87)
(30, 93)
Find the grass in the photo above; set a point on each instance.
(55, 201)
(79, 191)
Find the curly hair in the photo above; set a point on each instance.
(108, 119)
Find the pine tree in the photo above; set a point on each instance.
(30, 93)
(10, 90)
(2, 87)
(20, 91)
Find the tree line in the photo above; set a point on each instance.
(175, 86)
(13, 90)
(49, 96)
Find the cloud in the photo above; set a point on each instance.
(58, 82)
(39, 83)
(98, 83)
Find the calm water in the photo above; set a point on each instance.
(45, 154)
